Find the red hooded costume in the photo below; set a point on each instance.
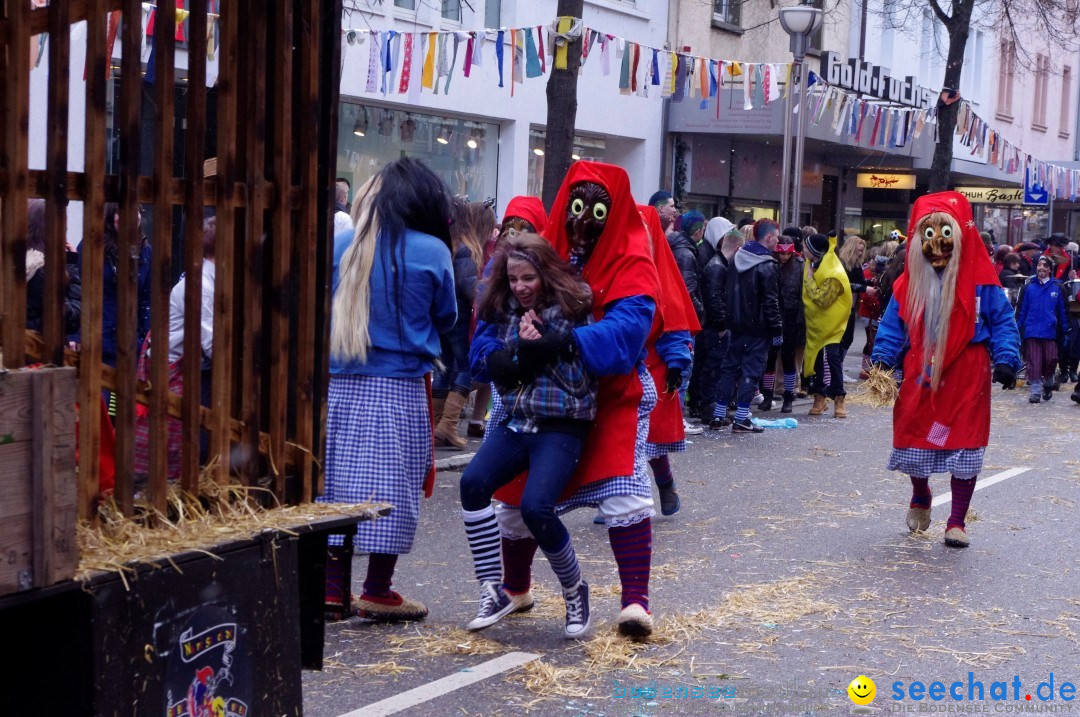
(530, 209)
(675, 313)
(620, 266)
(957, 415)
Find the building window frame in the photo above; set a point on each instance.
(407, 5)
(1042, 72)
(1006, 80)
(451, 10)
(1066, 102)
(727, 15)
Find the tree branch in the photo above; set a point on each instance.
(946, 20)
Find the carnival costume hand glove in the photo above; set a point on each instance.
(673, 379)
(778, 340)
(1005, 375)
(504, 370)
(546, 350)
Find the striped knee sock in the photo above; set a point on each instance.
(962, 488)
(721, 409)
(337, 588)
(742, 412)
(482, 530)
(380, 574)
(517, 564)
(632, 545)
(768, 382)
(565, 564)
(789, 382)
(661, 470)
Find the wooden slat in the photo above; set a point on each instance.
(16, 129)
(92, 262)
(35, 346)
(130, 242)
(282, 247)
(223, 284)
(53, 476)
(79, 10)
(175, 188)
(161, 272)
(193, 246)
(56, 149)
(253, 52)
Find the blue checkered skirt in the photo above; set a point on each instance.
(655, 450)
(378, 447)
(922, 462)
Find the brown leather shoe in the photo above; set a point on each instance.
(820, 404)
(838, 407)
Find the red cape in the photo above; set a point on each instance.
(621, 265)
(957, 415)
(529, 208)
(676, 313)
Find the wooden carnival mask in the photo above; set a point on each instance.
(586, 215)
(938, 232)
(512, 226)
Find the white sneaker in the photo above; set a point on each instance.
(691, 429)
(758, 398)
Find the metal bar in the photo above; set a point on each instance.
(221, 403)
(800, 144)
(278, 385)
(193, 244)
(785, 171)
(128, 252)
(93, 261)
(56, 152)
(253, 53)
(17, 118)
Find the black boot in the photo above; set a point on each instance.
(707, 411)
(788, 398)
(1076, 393)
(766, 401)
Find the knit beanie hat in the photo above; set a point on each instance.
(818, 244)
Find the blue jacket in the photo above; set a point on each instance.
(674, 349)
(610, 347)
(1040, 311)
(109, 311)
(406, 318)
(994, 324)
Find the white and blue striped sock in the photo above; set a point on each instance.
(485, 543)
(742, 412)
(789, 382)
(565, 564)
(721, 409)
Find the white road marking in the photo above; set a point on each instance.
(424, 693)
(982, 483)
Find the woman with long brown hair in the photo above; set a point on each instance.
(550, 409)
(474, 223)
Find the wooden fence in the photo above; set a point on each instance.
(275, 135)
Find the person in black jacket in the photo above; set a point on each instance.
(714, 334)
(684, 247)
(794, 322)
(35, 275)
(753, 317)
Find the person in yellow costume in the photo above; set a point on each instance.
(827, 303)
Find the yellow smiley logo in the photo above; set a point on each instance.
(862, 690)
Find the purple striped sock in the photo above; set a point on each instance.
(789, 382)
(632, 546)
(380, 574)
(661, 469)
(768, 382)
(517, 564)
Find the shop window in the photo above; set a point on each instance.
(587, 148)
(1066, 96)
(464, 153)
(728, 12)
(451, 10)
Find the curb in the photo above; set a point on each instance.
(453, 462)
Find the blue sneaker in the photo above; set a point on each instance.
(495, 604)
(578, 615)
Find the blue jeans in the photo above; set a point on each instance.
(455, 356)
(745, 364)
(549, 456)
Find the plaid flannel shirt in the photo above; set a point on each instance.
(562, 390)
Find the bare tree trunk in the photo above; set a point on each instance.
(958, 27)
(562, 112)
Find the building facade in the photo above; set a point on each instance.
(483, 140)
(731, 158)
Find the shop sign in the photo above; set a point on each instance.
(885, 181)
(993, 195)
(870, 79)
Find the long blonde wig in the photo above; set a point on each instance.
(930, 296)
(350, 337)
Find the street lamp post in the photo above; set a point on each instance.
(799, 22)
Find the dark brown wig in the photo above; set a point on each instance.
(559, 284)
